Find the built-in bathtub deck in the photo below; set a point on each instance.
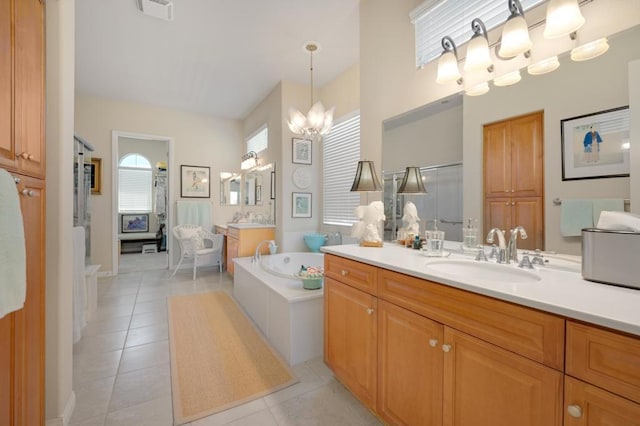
(290, 317)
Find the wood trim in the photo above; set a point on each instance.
(598, 406)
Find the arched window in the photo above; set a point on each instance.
(134, 184)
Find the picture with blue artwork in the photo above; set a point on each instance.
(135, 223)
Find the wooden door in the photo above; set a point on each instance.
(350, 340)
(526, 155)
(410, 367)
(527, 211)
(497, 214)
(497, 160)
(29, 86)
(488, 386)
(7, 141)
(587, 405)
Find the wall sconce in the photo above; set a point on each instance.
(563, 18)
(508, 79)
(544, 66)
(590, 50)
(366, 178)
(515, 33)
(477, 90)
(478, 56)
(412, 182)
(249, 160)
(448, 70)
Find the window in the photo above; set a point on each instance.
(341, 152)
(435, 19)
(259, 141)
(134, 184)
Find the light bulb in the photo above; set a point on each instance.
(515, 37)
(563, 18)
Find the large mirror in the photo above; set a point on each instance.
(257, 193)
(230, 188)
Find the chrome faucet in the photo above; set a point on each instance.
(257, 255)
(512, 249)
(502, 253)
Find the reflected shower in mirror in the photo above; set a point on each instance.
(229, 189)
(258, 193)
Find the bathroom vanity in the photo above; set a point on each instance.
(424, 341)
(243, 238)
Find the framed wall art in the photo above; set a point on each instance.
(195, 182)
(301, 151)
(301, 204)
(134, 223)
(596, 145)
(95, 170)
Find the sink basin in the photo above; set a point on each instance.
(473, 270)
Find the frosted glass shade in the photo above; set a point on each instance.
(508, 79)
(478, 56)
(515, 37)
(366, 178)
(478, 90)
(316, 122)
(544, 66)
(412, 182)
(563, 18)
(448, 70)
(590, 50)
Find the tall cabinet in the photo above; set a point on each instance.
(514, 177)
(22, 153)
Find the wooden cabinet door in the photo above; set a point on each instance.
(497, 160)
(410, 367)
(526, 155)
(350, 340)
(497, 214)
(29, 86)
(488, 386)
(232, 253)
(528, 212)
(587, 405)
(7, 141)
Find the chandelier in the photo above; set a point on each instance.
(317, 121)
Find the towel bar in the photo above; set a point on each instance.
(558, 201)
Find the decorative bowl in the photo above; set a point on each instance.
(315, 241)
(311, 277)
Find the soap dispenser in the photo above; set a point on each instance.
(470, 236)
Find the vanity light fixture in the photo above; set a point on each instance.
(478, 56)
(317, 122)
(249, 160)
(366, 178)
(544, 66)
(507, 79)
(590, 50)
(477, 90)
(448, 70)
(563, 18)
(515, 33)
(412, 182)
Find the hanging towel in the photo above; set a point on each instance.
(79, 287)
(575, 214)
(195, 213)
(619, 221)
(13, 260)
(608, 204)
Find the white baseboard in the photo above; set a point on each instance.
(66, 414)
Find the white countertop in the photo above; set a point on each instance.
(249, 225)
(560, 292)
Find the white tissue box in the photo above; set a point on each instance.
(611, 257)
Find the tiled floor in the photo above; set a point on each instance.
(121, 364)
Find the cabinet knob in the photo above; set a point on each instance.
(370, 311)
(506, 204)
(446, 348)
(344, 273)
(513, 203)
(433, 342)
(574, 410)
(513, 190)
(28, 192)
(506, 190)
(25, 156)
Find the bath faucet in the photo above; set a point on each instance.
(502, 252)
(257, 256)
(512, 249)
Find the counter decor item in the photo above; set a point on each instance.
(311, 277)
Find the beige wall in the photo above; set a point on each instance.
(198, 139)
(634, 106)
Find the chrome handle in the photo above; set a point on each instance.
(28, 192)
(433, 342)
(16, 180)
(575, 411)
(344, 273)
(370, 310)
(446, 348)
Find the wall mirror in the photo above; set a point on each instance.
(230, 188)
(257, 195)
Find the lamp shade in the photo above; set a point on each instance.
(448, 70)
(412, 182)
(477, 90)
(366, 178)
(563, 18)
(478, 56)
(590, 50)
(544, 66)
(507, 79)
(515, 37)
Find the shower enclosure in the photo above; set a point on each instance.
(82, 190)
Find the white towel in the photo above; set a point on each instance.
(79, 286)
(575, 214)
(608, 204)
(619, 221)
(195, 213)
(13, 261)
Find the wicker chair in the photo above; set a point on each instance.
(204, 247)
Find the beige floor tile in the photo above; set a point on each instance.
(109, 312)
(156, 412)
(144, 356)
(152, 306)
(101, 343)
(308, 382)
(92, 399)
(126, 300)
(232, 414)
(149, 318)
(261, 418)
(91, 366)
(93, 421)
(140, 386)
(319, 367)
(143, 335)
(105, 326)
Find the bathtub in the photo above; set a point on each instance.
(290, 317)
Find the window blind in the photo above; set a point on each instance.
(435, 19)
(259, 141)
(341, 152)
(134, 190)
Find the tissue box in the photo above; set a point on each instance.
(611, 257)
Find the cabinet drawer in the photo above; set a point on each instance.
(355, 274)
(605, 358)
(233, 232)
(533, 334)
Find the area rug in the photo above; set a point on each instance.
(218, 358)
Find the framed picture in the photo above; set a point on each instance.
(273, 185)
(301, 204)
(96, 175)
(301, 151)
(134, 223)
(258, 193)
(195, 182)
(596, 145)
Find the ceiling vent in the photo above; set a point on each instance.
(161, 9)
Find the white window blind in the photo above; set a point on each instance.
(341, 152)
(259, 141)
(435, 19)
(134, 184)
